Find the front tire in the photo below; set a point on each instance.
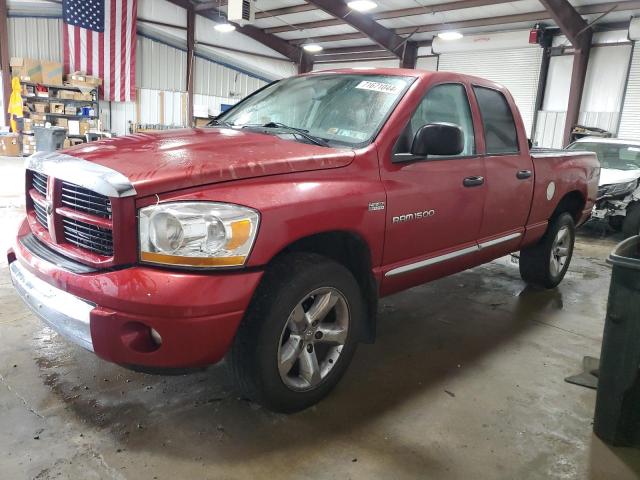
(299, 333)
(546, 263)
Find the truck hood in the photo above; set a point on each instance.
(611, 176)
(175, 159)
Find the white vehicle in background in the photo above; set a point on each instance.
(618, 192)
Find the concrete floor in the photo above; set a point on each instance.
(465, 381)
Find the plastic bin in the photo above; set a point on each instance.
(617, 416)
(49, 139)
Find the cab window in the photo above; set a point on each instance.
(443, 103)
(500, 134)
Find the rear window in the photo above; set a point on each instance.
(500, 134)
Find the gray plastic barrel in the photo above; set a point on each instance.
(49, 139)
(617, 416)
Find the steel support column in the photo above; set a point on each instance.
(578, 75)
(191, 35)
(4, 60)
(410, 56)
(579, 33)
(305, 65)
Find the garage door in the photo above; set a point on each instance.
(517, 69)
(629, 121)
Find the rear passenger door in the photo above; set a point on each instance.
(508, 171)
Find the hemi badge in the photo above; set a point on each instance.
(373, 206)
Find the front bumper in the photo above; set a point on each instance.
(113, 312)
(65, 313)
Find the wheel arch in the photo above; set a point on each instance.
(572, 202)
(352, 251)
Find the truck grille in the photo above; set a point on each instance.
(39, 182)
(41, 214)
(91, 237)
(84, 200)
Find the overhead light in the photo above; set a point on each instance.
(224, 27)
(312, 47)
(362, 5)
(450, 35)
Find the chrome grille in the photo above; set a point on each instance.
(41, 214)
(39, 182)
(90, 237)
(84, 200)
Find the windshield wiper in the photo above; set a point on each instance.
(218, 123)
(295, 131)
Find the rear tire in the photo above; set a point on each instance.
(299, 333)
(631, 225)
(545, 263)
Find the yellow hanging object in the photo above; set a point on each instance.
(15, 103)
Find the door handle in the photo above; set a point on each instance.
(523, 174)
(474, 181)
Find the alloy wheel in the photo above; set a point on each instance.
(560, 251)
(313, 338)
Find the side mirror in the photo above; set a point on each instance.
(444, 139)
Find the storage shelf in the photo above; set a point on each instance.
(59, 87)
(65, 115)
(56, 100)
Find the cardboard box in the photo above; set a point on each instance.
(28, 69)
(27, 125)
(28, 140)
(62, 122)
(55, 107)
(66, 94)
(10, 145)
(83, 97)
(51, 73)
(75, 141)
(37, 118)
(84, 127)
(79, 79)
(70, 110)
(41, 107)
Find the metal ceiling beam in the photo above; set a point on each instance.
(579, 33)
(402, 13)
(363, 23)
(277, 12)
(277, 44)
(4, 60)
(383, 55)
(480, 22)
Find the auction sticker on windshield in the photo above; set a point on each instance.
(379, 87)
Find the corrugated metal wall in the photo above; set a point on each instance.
(630, 119)
(518, 69)
(39, 38)
(160, 67)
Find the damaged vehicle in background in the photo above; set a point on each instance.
(618, 193)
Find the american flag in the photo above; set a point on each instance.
(100, 40)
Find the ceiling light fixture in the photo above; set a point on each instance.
(362, 5)
(312, 47)
(224, 27)
(450, 35)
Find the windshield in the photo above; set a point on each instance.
(612, 155)
(344, 109)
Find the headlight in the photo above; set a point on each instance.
(197, 234)
(617, 189)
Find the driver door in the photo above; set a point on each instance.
(434, 204)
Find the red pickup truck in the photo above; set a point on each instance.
(269, 236)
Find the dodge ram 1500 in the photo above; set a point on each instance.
(268, 237)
